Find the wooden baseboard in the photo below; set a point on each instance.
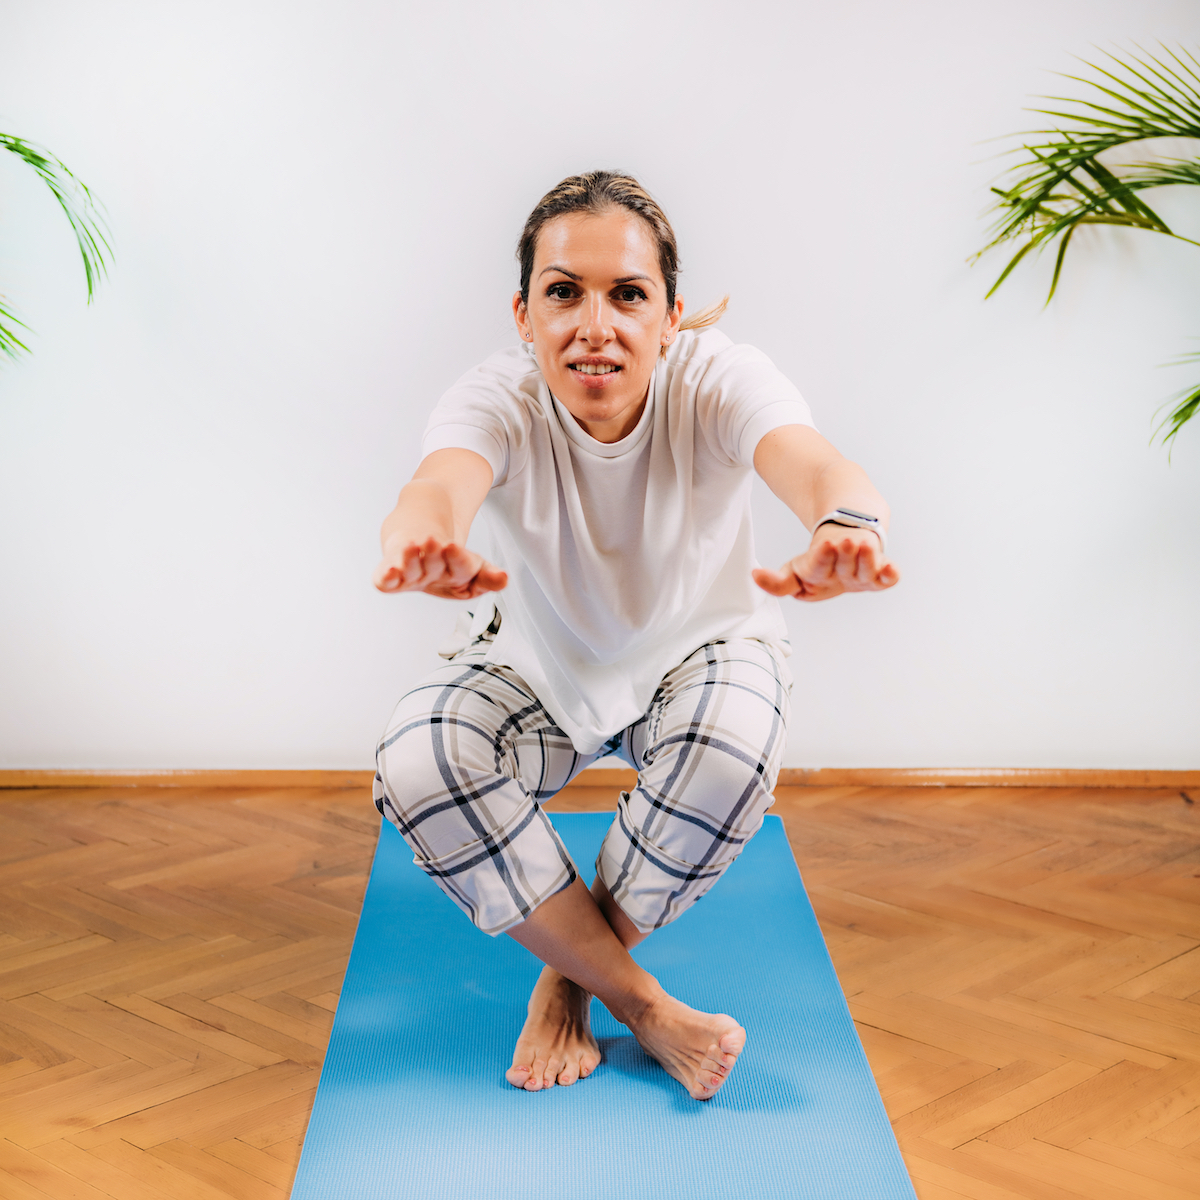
(186, 779)
(1039, 777)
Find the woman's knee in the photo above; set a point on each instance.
(664, 852)
(446, 779)
(722, 715)
(705, 783)
(475, 831)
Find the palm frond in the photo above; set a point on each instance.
(83, 212)
(10, 344)
(1166, 172)
(1186, 404)
(75, 199)
(1062, 184)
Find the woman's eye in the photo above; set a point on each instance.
(559, 291)
(630, 295)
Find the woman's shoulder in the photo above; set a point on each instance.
(491, 409)
(707, 357)
(503, 398)
(506, 382)
(734, 391)
(693, 345)
(513, 369)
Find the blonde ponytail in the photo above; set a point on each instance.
(706, 316)
(703, 319)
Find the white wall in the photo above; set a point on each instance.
(314, 207)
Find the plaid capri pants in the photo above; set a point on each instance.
(470, 753)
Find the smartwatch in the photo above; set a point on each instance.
(854, 520)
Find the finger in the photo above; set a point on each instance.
(436, 558)
(411, 569)
(817, 563)
(865, 567)
(889, 575)
(489, 579)
(818, 582)
(856, 567)
(816, 568)
(462, 565)
(386, 577)
(846, 566)
(869, 561)
(777, 583)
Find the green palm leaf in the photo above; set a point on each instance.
(1186, 404)
(82, 211)
(1062, 184)
(10, 344)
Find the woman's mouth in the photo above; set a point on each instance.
(594, 368)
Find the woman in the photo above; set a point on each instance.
(625, 614)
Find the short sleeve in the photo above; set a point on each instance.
(467, 437)
(739, 394)
(772, 416)
(487, 411)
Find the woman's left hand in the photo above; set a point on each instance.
(840, 559)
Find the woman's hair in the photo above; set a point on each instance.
(599, 192)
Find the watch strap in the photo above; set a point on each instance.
(854, 520)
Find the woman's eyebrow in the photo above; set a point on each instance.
(572, 275)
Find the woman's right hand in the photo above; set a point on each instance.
(439, 568)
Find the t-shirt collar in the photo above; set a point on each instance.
(629, 442)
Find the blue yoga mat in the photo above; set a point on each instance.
(413, 1102)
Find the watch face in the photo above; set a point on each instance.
(849, 512)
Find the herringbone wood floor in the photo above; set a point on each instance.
(1023, 966)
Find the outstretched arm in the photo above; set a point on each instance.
(424, 536)
(813, 479)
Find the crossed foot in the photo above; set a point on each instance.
(556, 1044)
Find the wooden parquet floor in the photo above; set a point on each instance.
(1023, 966)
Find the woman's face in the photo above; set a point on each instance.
(597, 316)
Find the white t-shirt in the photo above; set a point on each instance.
(625, 557)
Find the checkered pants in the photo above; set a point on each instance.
(470, 753)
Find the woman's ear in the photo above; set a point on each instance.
(671, 323)
(521, 316)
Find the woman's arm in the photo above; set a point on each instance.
(813, 479)
(424, 536)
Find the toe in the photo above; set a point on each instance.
(537, 1076)
(569, 1073)
(587, 1064)
(734, 1041)
(518, 1076)
(555, 1066)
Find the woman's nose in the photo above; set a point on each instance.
(596, 326)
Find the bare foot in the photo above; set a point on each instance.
(556, 1045)
(699, 1049)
